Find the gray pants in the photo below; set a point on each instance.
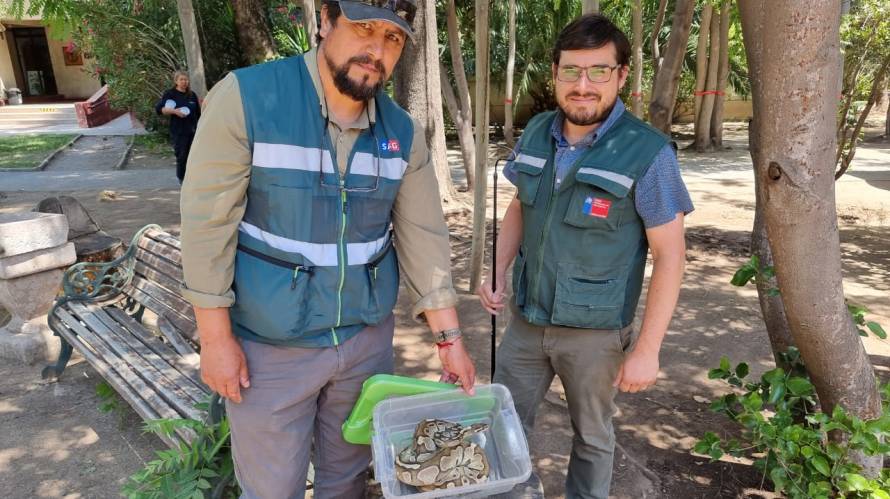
(301, 396)
(587, 362)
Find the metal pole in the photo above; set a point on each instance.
(494, 262)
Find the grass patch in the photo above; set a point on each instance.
(153, 143)
(27, 151)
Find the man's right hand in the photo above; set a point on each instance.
(493, 302)
(224, 367)
(223, 364)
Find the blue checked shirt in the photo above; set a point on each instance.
(658, 195)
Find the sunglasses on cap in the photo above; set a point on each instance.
(404, 9)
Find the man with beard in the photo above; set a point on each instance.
(597, 188)
(299, 169)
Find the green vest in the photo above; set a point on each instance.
(583, 250)
(315, 263)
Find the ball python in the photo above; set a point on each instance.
(440, 456)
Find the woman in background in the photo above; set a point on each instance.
(184, 109)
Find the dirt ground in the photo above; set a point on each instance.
(57, 443)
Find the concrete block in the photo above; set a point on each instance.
(31, 342)
(26, 232)
(30, 296)
(37, 261)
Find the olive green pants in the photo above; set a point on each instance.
(299, 397)
(586, 361)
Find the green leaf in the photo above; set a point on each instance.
(877, 330)
(752, 401)
(821, 465)
(807, 452)
(856, 482)
(743, 276)
(724, 364)
(862, 332)
(717, 374)
(773, 292)
(879, 494)
(776, 393)
(741, 370)
(800, 386)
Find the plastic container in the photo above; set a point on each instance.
(504, 442)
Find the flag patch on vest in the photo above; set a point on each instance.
(596, 207)
(390, 145)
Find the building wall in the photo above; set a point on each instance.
(74, 82)
(7, 75)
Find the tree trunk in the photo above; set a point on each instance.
(511, 64)
(465, 125)
(722, 77)
(795, 107)
(887, 119)
(701, 63)
(703, 131)
(480, 190)
(664, 90)
(636, 92)
(846, 155)
(252, 27)
(310, 24)
(416, 84)
(590, 7)
(464, 129)
(193, 56)
(656, 30)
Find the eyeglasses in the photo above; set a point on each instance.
(326, 140)
(596, 74)
(402, 8)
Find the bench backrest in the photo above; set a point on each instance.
(158, 278)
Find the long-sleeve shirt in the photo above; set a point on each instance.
(181, 126)
(213, 202)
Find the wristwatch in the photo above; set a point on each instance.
(447, 335)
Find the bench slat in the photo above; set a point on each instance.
(175, 337)
(161, 249)
(162, 302)
(164, 237)
(161, 266)
(71, 333)
(152, 275)
(197, 392)
(153, 378)
(188, 365)
(125, 372)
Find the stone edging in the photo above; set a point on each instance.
(121, 163)
(46, 160)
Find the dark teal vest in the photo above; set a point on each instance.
(583, 250)
(315, 263)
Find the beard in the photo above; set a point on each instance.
(358, 90)
(586, 117)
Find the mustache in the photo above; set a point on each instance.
(584, 96)
(366, 59)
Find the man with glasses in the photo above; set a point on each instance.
(597, 189)
(307, 190)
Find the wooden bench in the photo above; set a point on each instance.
(104, 313)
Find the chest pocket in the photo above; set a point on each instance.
(529, 168)
(599, 199)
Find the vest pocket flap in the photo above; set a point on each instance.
(614, 183)
(530, 165)
(588, 297)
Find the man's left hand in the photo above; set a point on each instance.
(456, 361)
(638, 371)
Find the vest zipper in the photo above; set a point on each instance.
(537, 281)
(278, 262)
(342, 262)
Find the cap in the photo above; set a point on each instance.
(399, 12)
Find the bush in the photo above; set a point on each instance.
(789, 441)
